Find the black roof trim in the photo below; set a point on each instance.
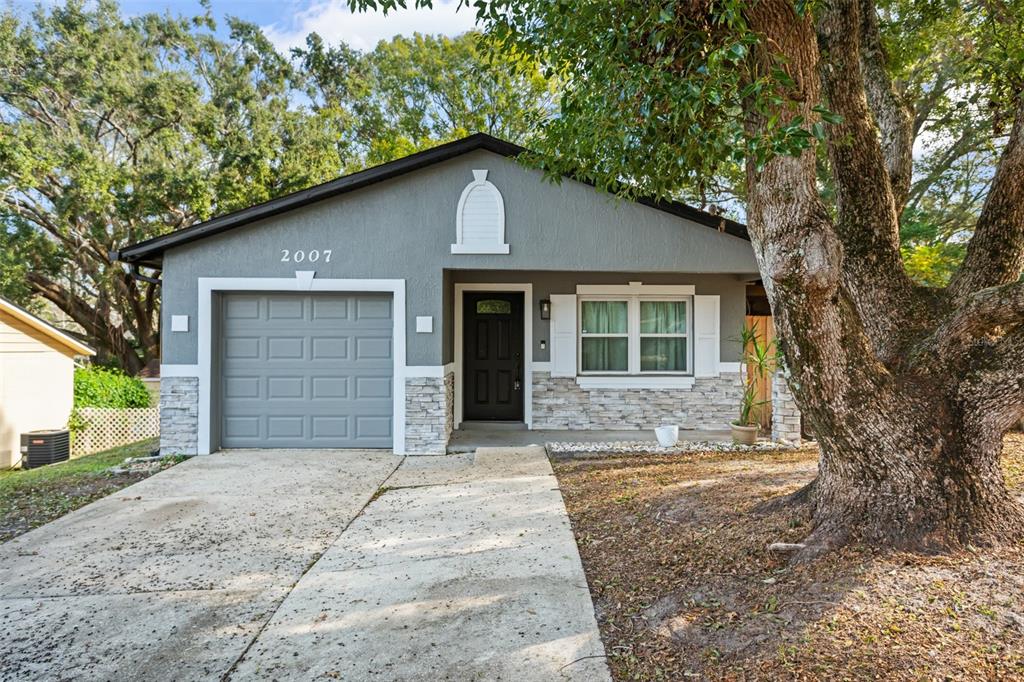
(149, 253)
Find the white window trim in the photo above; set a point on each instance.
(636, 289)
(634, 293)
(643, 381)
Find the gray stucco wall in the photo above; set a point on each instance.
(403, 229)
(731, 290)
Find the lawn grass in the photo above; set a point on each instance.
(32, 497)
(12, 479)
(675, 552)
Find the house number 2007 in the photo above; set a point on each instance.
(301, 256)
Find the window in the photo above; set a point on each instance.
(663, 326)
(634, 335)
(604, 336)
(493, 307)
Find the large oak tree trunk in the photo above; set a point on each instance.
(908, 391)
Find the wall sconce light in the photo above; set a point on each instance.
(545, 309)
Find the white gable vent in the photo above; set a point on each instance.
(480, 219)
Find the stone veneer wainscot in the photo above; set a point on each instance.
(179, 415)
(560, 403)
(429, 414)
(785, 413)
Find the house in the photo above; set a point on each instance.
(37, 373)
(388, 307)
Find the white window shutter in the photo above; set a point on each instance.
(706, 329)
(563, 335)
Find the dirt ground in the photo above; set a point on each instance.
(30, 498)
(676, 556)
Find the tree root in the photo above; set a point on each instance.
(801, 498)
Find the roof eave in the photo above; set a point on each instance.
(45, 328)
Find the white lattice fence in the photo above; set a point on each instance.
(107, 427)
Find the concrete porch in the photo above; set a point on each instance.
(472, 435)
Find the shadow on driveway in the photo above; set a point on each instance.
(273, 564)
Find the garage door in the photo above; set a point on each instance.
(306, 371)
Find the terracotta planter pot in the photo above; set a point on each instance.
(743, 435)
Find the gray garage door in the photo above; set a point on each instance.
(306, 371)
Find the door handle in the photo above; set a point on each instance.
(517, 372)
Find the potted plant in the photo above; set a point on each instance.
(759, 361)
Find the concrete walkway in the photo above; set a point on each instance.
(459, 567)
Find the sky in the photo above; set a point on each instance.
(287, 22)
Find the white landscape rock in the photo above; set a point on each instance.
(643, 447)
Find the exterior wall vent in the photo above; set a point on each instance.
(480, 218)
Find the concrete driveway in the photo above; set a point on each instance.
(304, 565)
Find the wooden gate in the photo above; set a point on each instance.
(765, 334)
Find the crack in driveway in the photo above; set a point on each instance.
(316, 558)
(475, 574)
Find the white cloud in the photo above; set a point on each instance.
(363, 30)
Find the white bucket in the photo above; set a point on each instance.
(667, 435)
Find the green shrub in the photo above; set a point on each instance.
(102, 387)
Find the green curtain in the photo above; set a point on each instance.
(605, 317)
(605, 354)
(662, 355)
(662, 317)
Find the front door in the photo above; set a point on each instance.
(492, 356)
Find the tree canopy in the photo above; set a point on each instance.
(114, 130)
(819, 107)
(408, 94)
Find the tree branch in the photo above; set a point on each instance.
(867, 221)
(965, 143)
(982, 313)
(994, 393)
(892, 115)
(995, 254)
(926, 104)
(96, 325)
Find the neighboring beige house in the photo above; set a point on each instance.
(36, 377)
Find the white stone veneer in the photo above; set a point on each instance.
(179, 415)
(785, 413)
(560, 403)
(429, 414)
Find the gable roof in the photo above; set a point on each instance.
(27, 318)
(150, 252)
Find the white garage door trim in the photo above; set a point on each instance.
(301, 283)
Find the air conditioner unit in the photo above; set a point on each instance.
(39, 448)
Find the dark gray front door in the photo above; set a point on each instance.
(306, 370)
(492, 353)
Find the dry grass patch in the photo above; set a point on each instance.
(675, 554)
(29, 498)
